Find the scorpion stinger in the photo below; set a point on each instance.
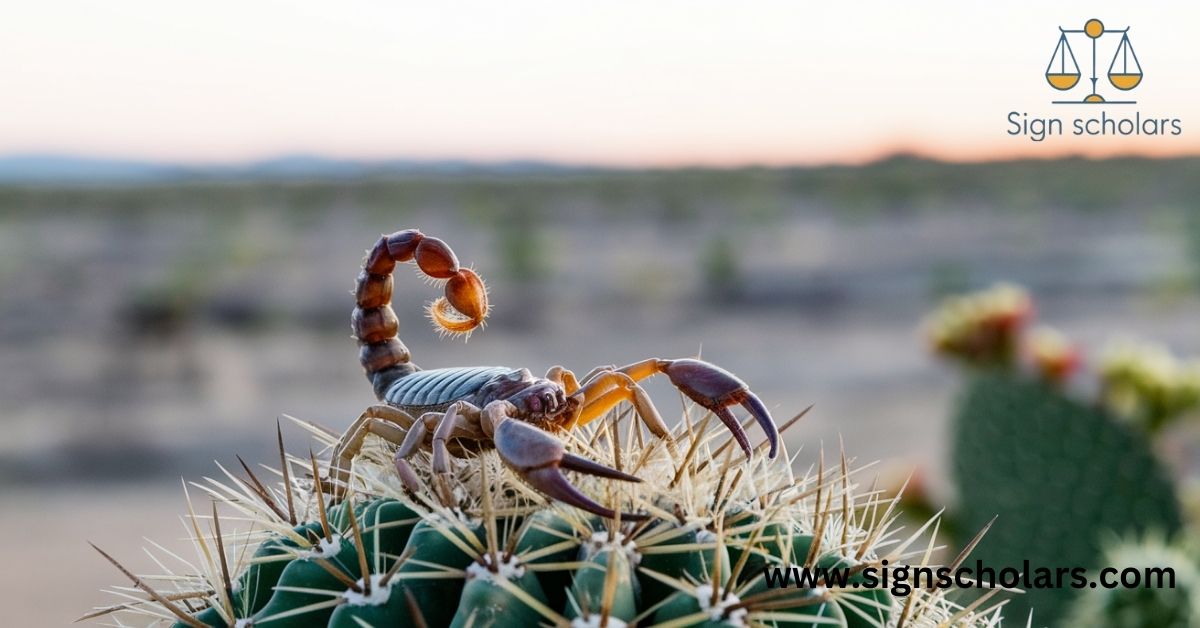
(450, 410)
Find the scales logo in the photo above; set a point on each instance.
(1124, 74)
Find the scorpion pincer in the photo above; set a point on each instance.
(477, 407)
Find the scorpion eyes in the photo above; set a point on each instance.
(544, 402)
(538, 403)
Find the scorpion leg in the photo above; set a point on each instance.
(461, 420)
(563, 377)
(411, 444)
(608, 388)
(714, 389)
(539, 459)
(597, 371)
(386, 422)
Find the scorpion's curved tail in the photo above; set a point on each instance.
(463, 308)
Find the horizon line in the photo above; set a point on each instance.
(881, 156)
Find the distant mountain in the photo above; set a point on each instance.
(57, 169)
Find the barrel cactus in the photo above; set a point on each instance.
(503, 556)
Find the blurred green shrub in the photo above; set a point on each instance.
(722, 270)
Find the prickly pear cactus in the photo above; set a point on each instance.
(502, 556)
(1059, 475)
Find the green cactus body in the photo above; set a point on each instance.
(385, 605)
(257, 583)
(695, 609)
(548, 528)
(302, 582)
(587, 586)
(855, 608)
(802, 610)
(819, 615)
(799, 544)
(430, 544)
(785, 550)
(209, 616)
(774, 538)
(861, 607)
(486, 603)
(338, 515)
(1060, 476)
(674, 555)
(386, 526)
(798, 609)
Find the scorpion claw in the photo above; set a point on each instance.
(551, 482)
(715, 389)
(583, 465)
(539, 459)
(731, 422)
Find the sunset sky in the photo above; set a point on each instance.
(618, 83)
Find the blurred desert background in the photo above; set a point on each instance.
(186, 196)
(150, 329)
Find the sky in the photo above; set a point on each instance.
(613, 83)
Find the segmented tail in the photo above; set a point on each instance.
(463, 308)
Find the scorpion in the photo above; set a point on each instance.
(510, 410)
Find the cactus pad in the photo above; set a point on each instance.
(1059, 475)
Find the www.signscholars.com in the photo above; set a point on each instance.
(900, 580)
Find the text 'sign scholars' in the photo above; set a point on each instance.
(1038, 129)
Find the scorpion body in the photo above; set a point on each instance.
(435, 389)
(449, 410)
